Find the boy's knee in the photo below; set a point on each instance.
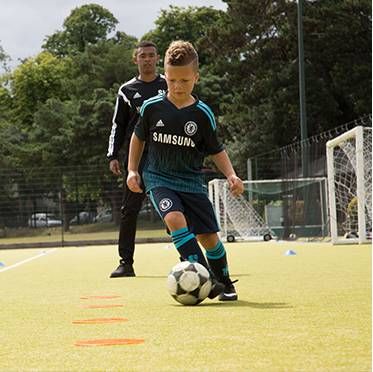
(175, 220)
(208, 240)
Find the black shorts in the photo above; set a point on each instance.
(196, 208)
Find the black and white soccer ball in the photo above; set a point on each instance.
(189, 283)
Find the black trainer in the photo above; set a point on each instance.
(229, 293)
(216, 288)
(123, 270)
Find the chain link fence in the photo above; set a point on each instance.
(65, 206)
(297, 207)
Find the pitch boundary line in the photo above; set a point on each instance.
(27, 260)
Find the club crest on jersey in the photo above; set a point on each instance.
(190, 128)
(165, 204)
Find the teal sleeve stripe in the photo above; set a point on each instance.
(206, 107)
(178, 232)
(208, 112)
(157, 97)
(184, 240)
(212, 120)
(149, 102)
(154, 203)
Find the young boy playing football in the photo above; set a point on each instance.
(180, 131)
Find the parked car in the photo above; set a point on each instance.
(43, 220)
(104, 216)
(84, 217)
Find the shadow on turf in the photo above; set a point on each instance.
(255, 305)
(165, 276)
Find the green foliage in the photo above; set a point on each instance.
(6, 103)
(102, 65)
(85, 25)
(51, 136)
(34, 81)
(338, 40)
(255, 47)
(56, 108)
(190, 23)
(4, 59)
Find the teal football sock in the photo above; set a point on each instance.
(217, 259)
(188, 247)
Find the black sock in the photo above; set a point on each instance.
(188, 247)
(217, 259)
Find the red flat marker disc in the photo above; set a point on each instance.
(110, 342)
(98, 297)
(100, 306)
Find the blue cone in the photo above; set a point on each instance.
(290, 253)
(2, 264)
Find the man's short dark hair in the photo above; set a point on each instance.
(145, 43)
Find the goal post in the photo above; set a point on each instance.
(349, 165)
(236, 216)
(273, 208)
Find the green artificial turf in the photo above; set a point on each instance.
(308, 312)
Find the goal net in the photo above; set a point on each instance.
(281, 208)
(349, 159)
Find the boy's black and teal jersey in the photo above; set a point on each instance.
(178, 141)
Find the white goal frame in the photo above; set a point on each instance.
(239, 219)
(359, 162)
(248, 223)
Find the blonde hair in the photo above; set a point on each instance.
(181, 53)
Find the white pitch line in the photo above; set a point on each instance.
(28, 260)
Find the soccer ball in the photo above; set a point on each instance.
(189, 283)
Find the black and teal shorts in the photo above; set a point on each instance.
(196, 207)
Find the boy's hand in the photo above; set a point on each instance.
(134, 181)
(235, 185)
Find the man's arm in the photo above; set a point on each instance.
(224, 164)
(136, 150)
(118, 131)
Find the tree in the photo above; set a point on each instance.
(5, 95)
(190, 23)
(4, 59)
(86, 25)
(193, 24)
(339, 43)
(102, 65)
(34, 81)
(6, 104)
(255, 47)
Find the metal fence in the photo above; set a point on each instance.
(64, 205)
(68, 206)
(300, 159)
(303, 159)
